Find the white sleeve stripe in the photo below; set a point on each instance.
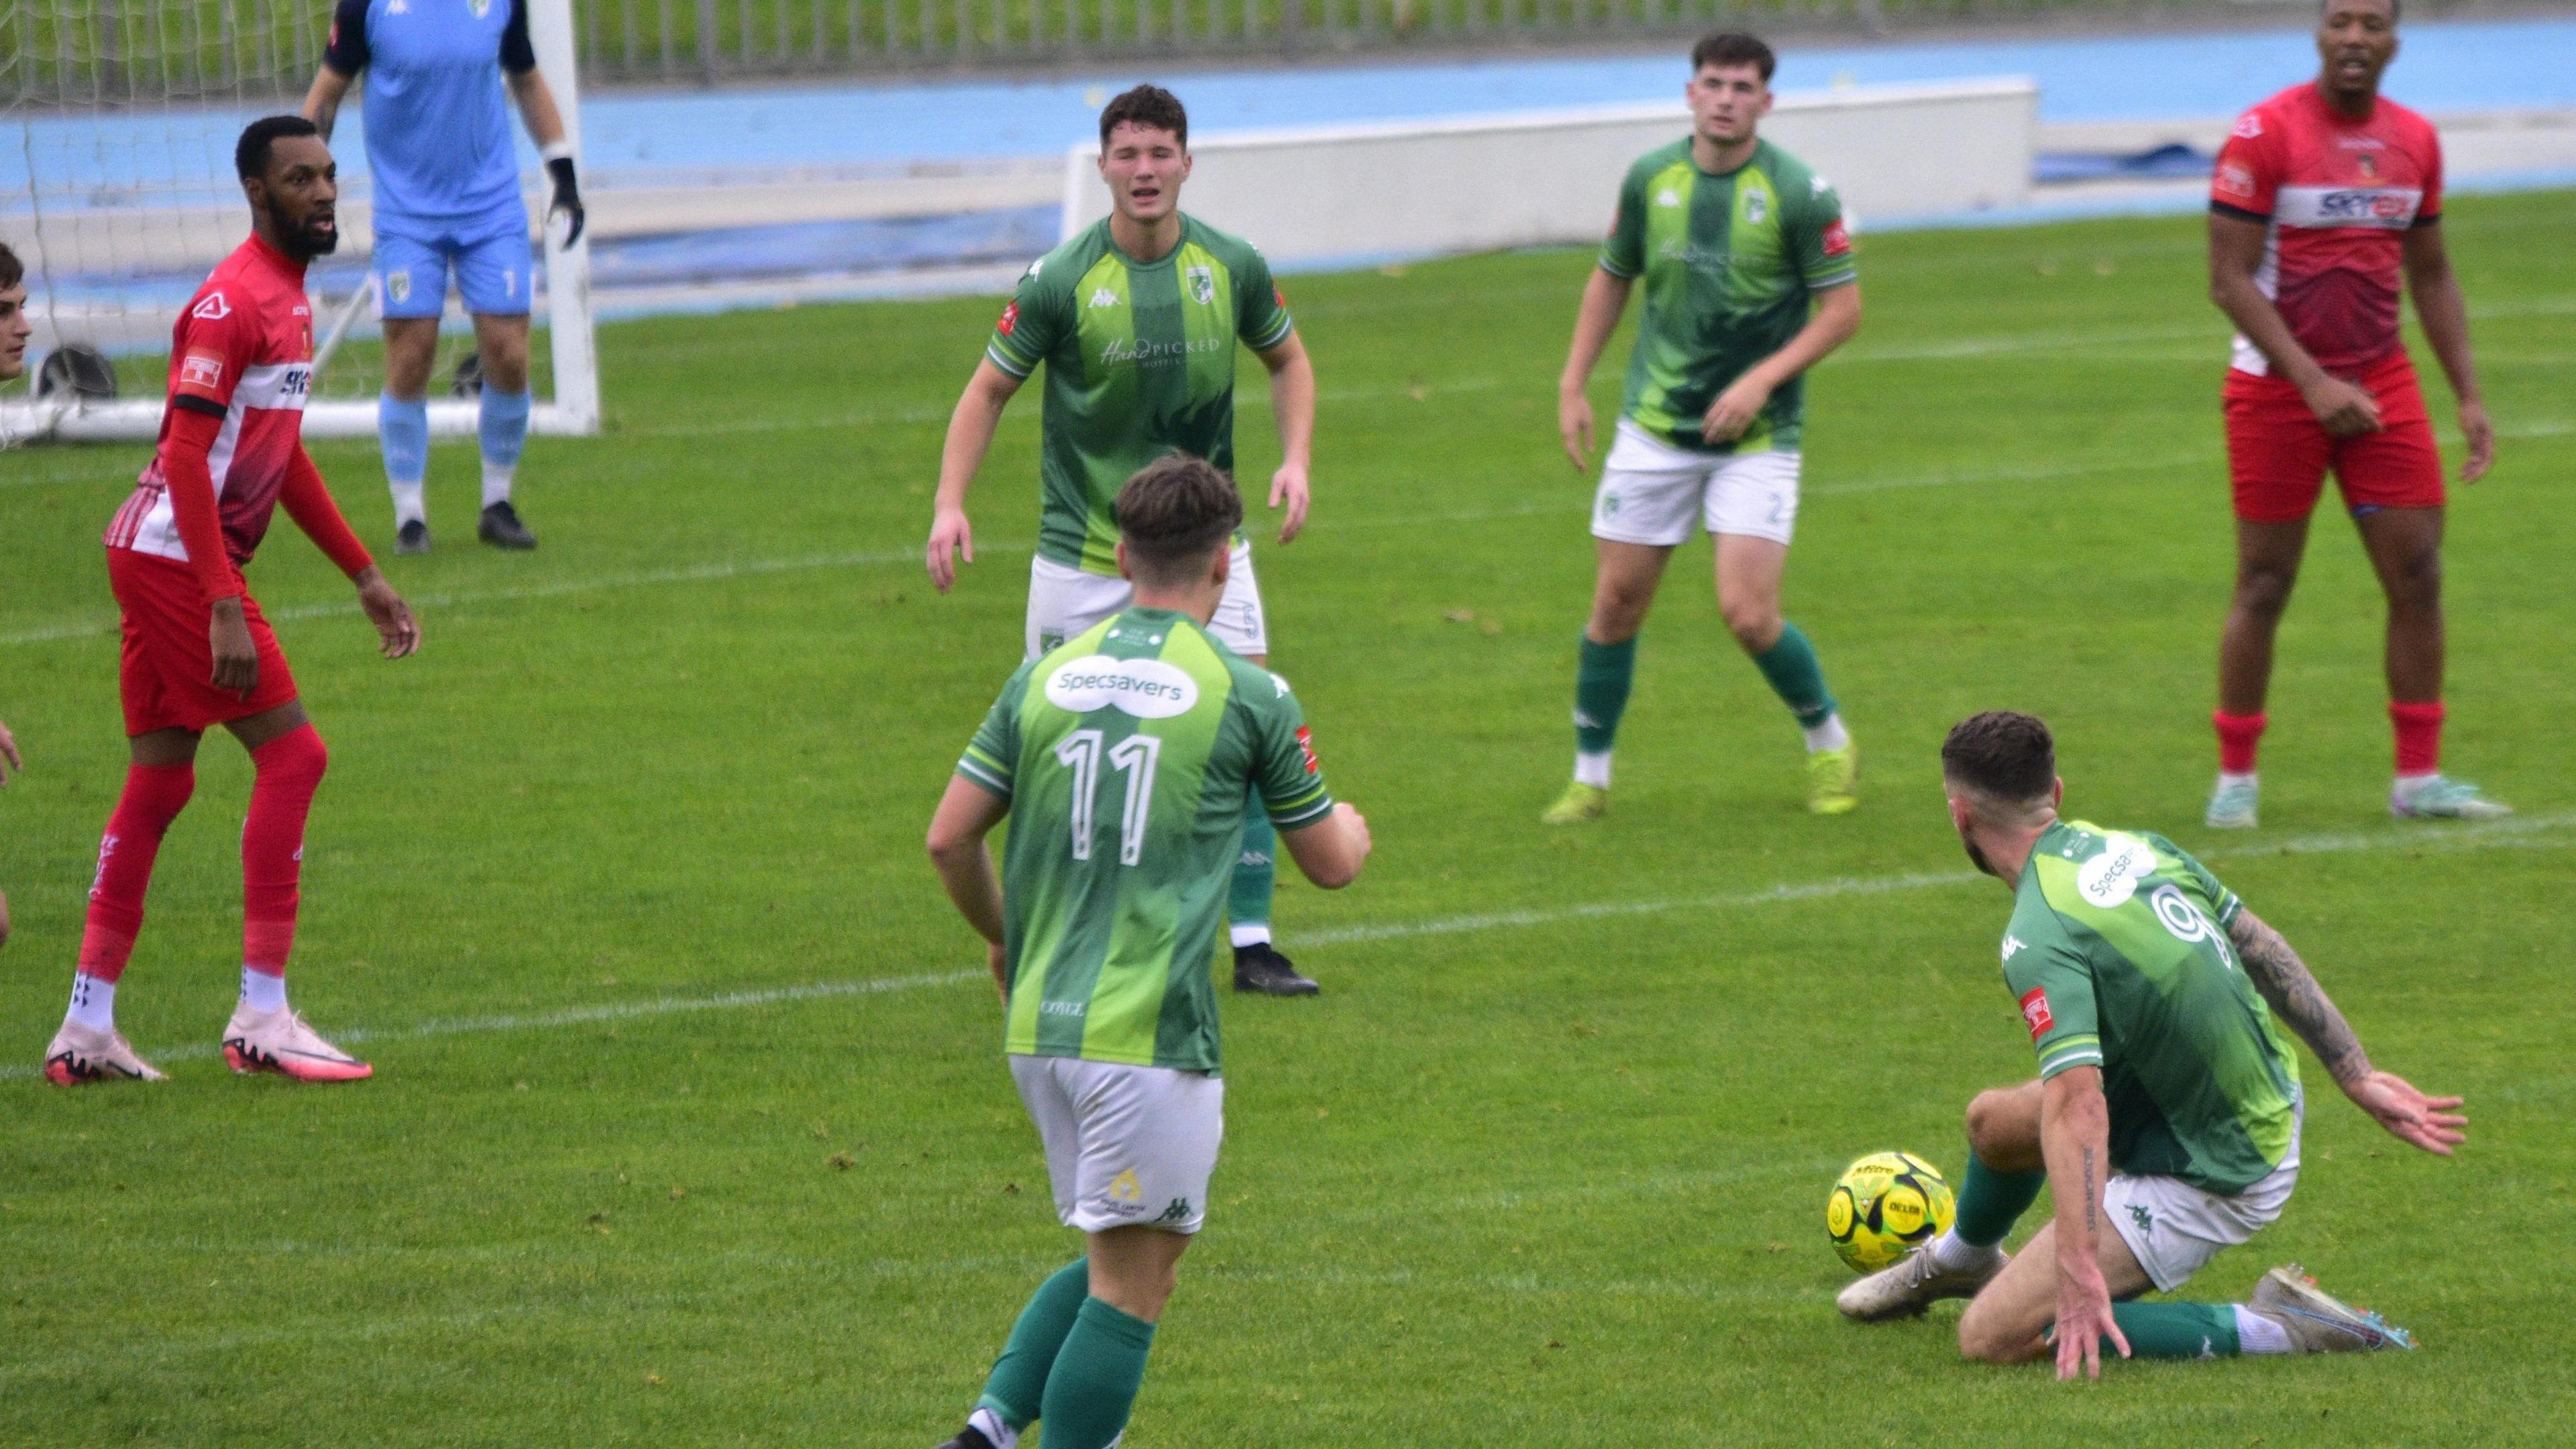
(1006, 362)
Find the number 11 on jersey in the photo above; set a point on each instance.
(1136, 757)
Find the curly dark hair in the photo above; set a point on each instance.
(2003, 754)
(1176, 512)
(1150, 106)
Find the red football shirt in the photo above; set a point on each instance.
(243, 347)
(2336, 196)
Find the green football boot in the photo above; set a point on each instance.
(1579, 802)
(1830, 777)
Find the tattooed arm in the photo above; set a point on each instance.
(2075, 1140)
(2432, 1123)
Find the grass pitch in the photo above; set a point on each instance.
(691, 1126)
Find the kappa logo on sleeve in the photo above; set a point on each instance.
(1010, 317)
(211, 308)
(1306, 747)
(2034, 1010)
(201, 369)
(1837, 238)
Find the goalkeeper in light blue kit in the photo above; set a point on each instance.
(446, 194)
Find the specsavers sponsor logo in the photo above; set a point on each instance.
(1142, 688)
(2114, 875)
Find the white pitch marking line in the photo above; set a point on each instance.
(2487, 835)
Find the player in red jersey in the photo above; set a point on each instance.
(197, 652)
(2324, 197)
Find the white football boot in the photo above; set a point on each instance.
(2316, 1321)
(1915, 1284)
(2439, 797)
(279, 1041)
(82, 1054)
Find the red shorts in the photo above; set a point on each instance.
(2278, 453)
(169, 662)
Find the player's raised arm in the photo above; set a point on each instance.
(2431, 1123)
(2445, 315)
(1292, 402)
(970, 435)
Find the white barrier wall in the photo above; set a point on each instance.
(1352, 194)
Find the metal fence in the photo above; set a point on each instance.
(87, 53)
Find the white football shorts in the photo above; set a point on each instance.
(1651, 492)
(1125, 1145)
(1064, 601)
(2175, 1228)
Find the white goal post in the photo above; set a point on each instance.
(123, 210)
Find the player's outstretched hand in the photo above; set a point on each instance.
(397, 632)
(236, 658)
(1735, 409)
(950, 536)
(2083, 1321)
(2432, 1123)
(1574, 427)
(1288, 488)
(8, 753)
(2344, 409)
(2481, 438)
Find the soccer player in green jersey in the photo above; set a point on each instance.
(1749, 282)
(2167, 1102)
(1125, 757)
(1136, 321)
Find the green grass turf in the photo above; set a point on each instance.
(1553, 1181)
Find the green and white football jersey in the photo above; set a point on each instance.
(1728, 263)
(2118, 952)
(1140, 361)
(1128, 755)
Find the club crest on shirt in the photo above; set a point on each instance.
(1202, 285)
(1756, 208)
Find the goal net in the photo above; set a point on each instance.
(117, 123)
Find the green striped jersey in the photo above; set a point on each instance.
(1140, 361)
(1128, 755)
(2119, 954)
(1728, 263)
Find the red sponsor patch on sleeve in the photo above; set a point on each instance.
(1010, 319)
(1306, 747)
(1278, 298)
(2034, 1009)
(2248, 126)
(1837, 238)
(2232, 179)
(201, 370)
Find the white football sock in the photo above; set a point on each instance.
(1959, 1256)
(496, 481)
(2227, 781)
(263, 992)
(409, 504)
(1828, 736)
(93, 1002)
(989, 1424)
(1592, 767)
(2256, 1333)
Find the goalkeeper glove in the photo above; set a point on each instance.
(567, 199)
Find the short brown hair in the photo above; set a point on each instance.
(2002, 754)
(1733, 47)
(1174, 514)
(1145, 106)
(12, 271)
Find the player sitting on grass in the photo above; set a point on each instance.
(2167, 1100)
(1749, 282)
(197, 652)
(1126, 757)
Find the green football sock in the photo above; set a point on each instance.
(1601, 681)
(1790, 665)
(1256, 870)
(2176, 1330)
(1095, 1379)
(1990, 1201)
(1019, 1377)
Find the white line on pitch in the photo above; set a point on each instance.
(2488, 835)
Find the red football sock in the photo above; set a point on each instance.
(154, 796)
(2419, 736)
(2236, 736)
(281, 795)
